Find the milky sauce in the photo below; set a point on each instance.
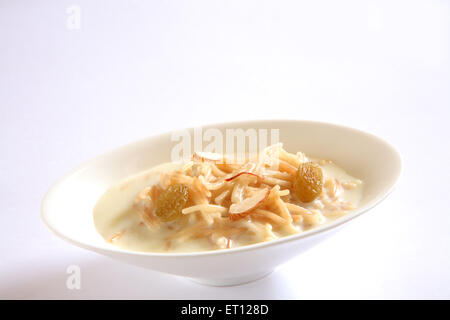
(119, 223)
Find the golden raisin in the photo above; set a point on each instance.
(171, 201)
(308, 182)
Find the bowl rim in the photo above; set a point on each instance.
(260, 245)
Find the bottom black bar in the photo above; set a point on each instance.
(229, 309)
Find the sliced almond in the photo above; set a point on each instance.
(206, 156)
(241, 209)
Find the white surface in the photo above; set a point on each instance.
(136, 69)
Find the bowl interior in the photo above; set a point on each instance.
(67, 209)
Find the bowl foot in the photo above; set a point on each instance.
(224, 282)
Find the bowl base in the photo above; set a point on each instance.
(225, 282)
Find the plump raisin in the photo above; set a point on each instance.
(171, 201)
(308, 182)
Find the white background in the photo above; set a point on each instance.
(137, 68)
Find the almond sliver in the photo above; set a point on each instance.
(248, 204)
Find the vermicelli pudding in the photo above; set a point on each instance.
(215, 202)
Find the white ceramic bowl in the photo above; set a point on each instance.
(67, 208)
